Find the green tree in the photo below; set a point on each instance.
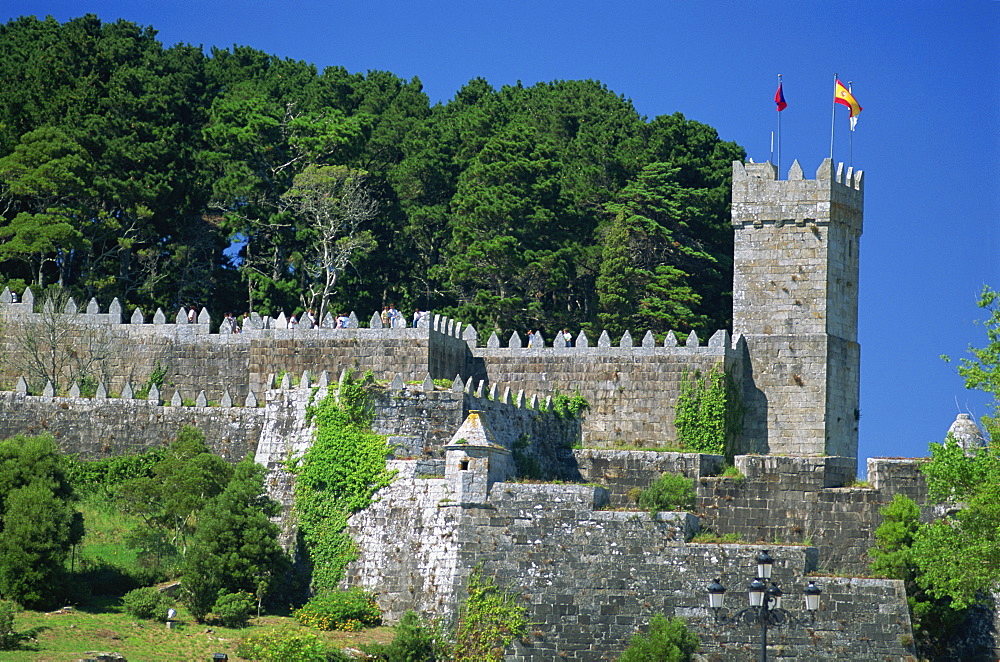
(183, 482)
(333, 206)
(958, 555)
(40, 523)
(893, 556)
(42, 184)
(982, 370)
(664, 238)
(668, 640)
(235, 547)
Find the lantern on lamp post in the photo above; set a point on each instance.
(765, 608)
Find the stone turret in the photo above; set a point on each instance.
(968, 435)
(474, 461)
(795, 300)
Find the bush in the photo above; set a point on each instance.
(349, 610)
(415, 641)
(146, 603)
(280, 645)
(669, 492)
(10, 638)
(233, 609)
(668, 641)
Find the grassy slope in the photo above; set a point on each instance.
(102, 626)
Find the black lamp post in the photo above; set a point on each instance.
(765, 604)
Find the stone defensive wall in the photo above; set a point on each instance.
(590, 577)
(631, 387)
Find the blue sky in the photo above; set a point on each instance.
(926, 73)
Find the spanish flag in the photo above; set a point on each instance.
(842, 96)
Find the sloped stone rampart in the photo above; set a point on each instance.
(592, 578)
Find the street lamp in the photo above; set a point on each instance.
(765, 604)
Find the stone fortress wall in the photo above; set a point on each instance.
(591, 576)
(631, 388)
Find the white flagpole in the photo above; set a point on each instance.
(772, 147)
(833, 115)
(850, 88)
(779, 133)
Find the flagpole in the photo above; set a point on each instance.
(833, 115)
(772, 148)
(779, 133)
(850, 160)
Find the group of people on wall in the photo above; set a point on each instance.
(390, 315)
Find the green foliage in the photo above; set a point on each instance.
(102, 477)
(569, 406)
(500, 206)
(146, 603)
(416, 640)
(668, 640)
(40, 523)
(668, 493)
(338, 476)
(982, 371)
(182, 482)
(233, 609)
(894, 556)
(959, 555)
(156, 377)
(11, 639)
(708, 413)
(350, 611)
(731, 471)
(488, 621)
(281, 645)
(235, 546)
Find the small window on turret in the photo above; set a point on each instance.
(463, 465)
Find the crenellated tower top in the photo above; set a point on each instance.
(795, 300)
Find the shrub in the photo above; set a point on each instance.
(668, 641)
(349, 610)
(147, 603)
(10, 638)
(280, 645)
(669, 492)
(415, 641)
(233, 609)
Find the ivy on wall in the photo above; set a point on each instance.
(338, 476)
(488, 621)
(708, 413)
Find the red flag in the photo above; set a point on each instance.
(779, 98)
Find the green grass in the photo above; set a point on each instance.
(103, 626)
(100, 624)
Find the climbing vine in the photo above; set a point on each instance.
(708, 412)
(488, 621)
(338, 476)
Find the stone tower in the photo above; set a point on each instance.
(795, 300)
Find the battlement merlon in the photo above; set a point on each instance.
(759, 197)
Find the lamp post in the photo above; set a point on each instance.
(765, 608)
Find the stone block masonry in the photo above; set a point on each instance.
(795, 300)
(631, 390)
(591, 578)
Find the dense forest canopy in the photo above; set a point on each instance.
(240, 180)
